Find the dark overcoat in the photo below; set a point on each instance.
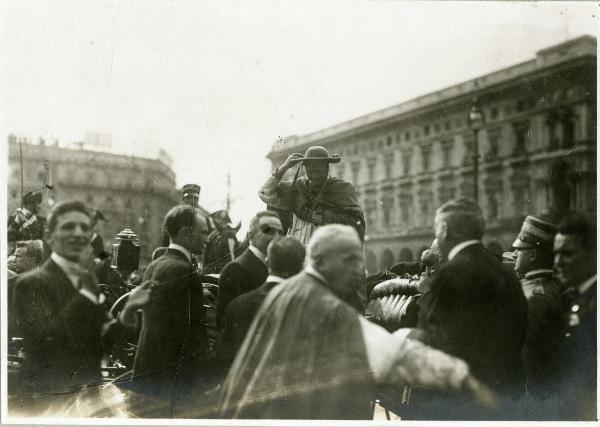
(173, 339)
(241, 275)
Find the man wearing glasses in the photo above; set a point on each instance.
(249, 270)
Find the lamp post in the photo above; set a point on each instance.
(476, 121)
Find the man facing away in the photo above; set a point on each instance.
(317, 199)
(248, 271)
(310, 355)
(173, 339)
(575, 267)
(475, 309)
(60, 312)
(533, 263)
(285, 258)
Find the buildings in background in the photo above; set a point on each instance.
(537, 152)
(131, 192)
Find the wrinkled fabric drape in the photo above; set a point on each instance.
(303, 358)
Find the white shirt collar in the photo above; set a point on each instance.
(586, 285)
(259, 254)
(71, 269)
(274, 279)
(181, 249)
(456, 249)
(311, 270)
(538, 271)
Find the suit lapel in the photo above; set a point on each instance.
(61, 284)
(253, 264)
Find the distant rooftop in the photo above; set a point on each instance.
(563, 52)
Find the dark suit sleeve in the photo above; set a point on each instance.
(230, 286)
(41, 327)
(442, 313)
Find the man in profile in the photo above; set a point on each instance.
(311, 355)
(249, 270)
(533, 263)
(173, 339)
(475, 309)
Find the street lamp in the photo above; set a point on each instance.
(476, 120)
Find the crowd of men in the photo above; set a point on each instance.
(492, 340)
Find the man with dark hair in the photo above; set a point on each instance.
(26, 224)
(533, 263)
(312, 201)
(575, 268)
(173, 339)
(97, 242)
(475, 309)
(285, 258)
(248, 271)
(60, 312)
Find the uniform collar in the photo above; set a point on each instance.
(258, 253)
(181, 249)
(456, 249)
(534, 274)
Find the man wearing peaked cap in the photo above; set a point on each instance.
(191, 194)
(533, 263)
(314, 200)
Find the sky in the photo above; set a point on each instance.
(216, 83)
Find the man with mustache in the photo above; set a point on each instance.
(60, 311)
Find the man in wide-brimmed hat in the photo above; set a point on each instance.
(314, 200)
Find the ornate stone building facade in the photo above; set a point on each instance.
(130, 191)
(537, 152)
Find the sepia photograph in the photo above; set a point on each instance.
(323, 212)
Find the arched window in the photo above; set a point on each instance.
(387, 259)
(371, 262)
(405, 255)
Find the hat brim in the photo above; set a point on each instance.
(332, 159)
(519, 244)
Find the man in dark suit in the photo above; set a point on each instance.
(60, 310)
(575, 267)
(249, 270)
(285, 258)
(173, 339)
(475, 310)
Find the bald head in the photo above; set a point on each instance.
(330, 238)
(335, 251)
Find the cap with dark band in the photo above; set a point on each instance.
(191, 190)
(535, 232)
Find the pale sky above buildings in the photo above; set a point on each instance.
(216, 83)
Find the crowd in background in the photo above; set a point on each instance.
(289, 325)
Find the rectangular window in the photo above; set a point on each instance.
(521, 132)
(447, 153)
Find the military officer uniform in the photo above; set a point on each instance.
(540, 352)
